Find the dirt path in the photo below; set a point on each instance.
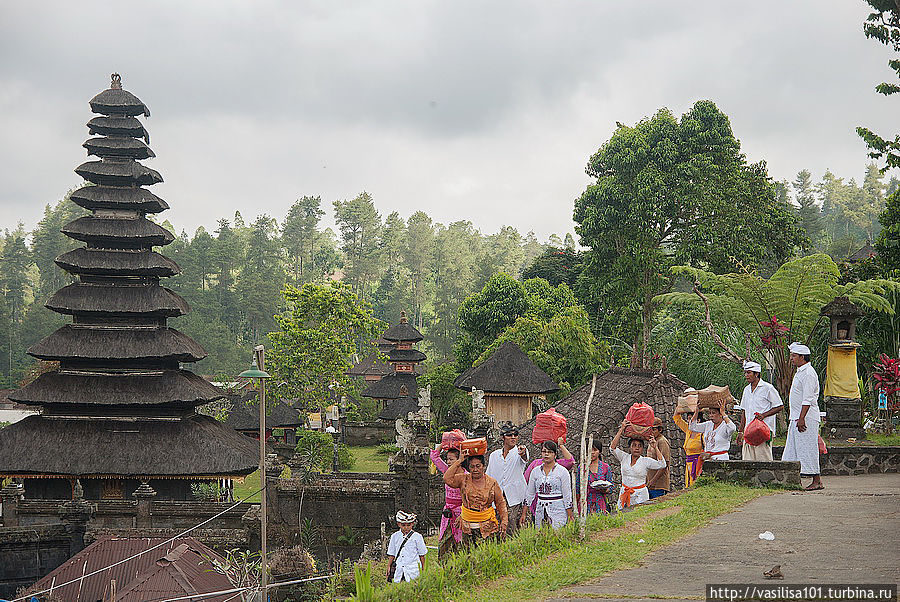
(847, 533)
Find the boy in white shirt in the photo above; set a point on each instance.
(406, 550)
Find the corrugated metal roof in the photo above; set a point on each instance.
(175, 569)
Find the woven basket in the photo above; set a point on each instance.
(634, 431)
(687, 403)
(713, 396)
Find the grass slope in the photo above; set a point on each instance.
(537, 563)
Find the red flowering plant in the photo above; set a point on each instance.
(886, 374)
(773, 333)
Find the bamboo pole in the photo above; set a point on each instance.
(264, 577)
(584, 463)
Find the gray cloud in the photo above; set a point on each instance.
(484, 111)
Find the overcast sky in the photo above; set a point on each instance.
(474, 110)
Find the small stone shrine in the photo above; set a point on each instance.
(843, 402)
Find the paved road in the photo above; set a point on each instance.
(848, 533)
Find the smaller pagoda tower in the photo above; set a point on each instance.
(398, 390)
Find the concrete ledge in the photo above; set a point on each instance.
(754, 474)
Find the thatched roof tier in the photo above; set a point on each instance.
(116, 101)
(393, 386)
(617, 389)
(114, 197)
(404, 332)
(118, 173)
(76, 342)
(121, 262)
(245, 417)
(190, 447)
(508, 370)
(118, 126)
(399, 408)
(149, 388)
(118, 147)
(372, 365)
(117, 233)
(117, 300)
(405, 355)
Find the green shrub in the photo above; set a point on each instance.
(319, 447)
(387, 449)
(207, 491)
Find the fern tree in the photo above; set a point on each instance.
(775, 311)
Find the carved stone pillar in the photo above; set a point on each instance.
(144, 496)
(76, 514)
(10, 496)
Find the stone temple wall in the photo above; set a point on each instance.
(754, 474)
(849, 459)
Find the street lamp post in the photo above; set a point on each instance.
(257, 372)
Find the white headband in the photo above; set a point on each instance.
(752, 367)
(405, 517)
(798, 348)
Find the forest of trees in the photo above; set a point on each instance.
(233, 277)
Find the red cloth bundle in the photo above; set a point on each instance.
(548, 426)
(640, 415)
(822, 448)
(757, 432)
(451, 439)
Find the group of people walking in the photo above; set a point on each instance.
(495, 496)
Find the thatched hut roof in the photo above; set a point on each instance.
(118, 233)
(116, 300)
(114, 197)
(507, 370)
(245, 417)
(157, 387)
(187, 447)
(117, 262)
(399, 408)
(393, 386)
(617, 389)
(120, 342)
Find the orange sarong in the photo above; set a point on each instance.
(625, 498)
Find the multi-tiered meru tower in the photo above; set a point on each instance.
(119, 409)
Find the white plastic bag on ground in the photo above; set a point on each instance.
(767, 535)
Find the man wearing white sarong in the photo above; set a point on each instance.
(634, 467)
(803, 426)
(551, 484)
(759, 400)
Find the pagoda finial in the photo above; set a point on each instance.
(116, 81)
(403, 319)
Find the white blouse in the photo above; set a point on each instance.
(635, 476)
(550, 486)
(715, 438)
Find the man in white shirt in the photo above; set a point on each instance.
(803, 424)
(406, 549)
(759, 400)
(508, 469)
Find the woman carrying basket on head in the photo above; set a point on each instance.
(716, 432)
(634, 467)
(483, 511)
(450, 534)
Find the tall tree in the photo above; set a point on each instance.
(261, 277)
(300, 236)
(883, 24)
(360, 226)
(671, 191)
(456, 250)
(418, 257)
(809, 212)
(15, 261)
(319, 332)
